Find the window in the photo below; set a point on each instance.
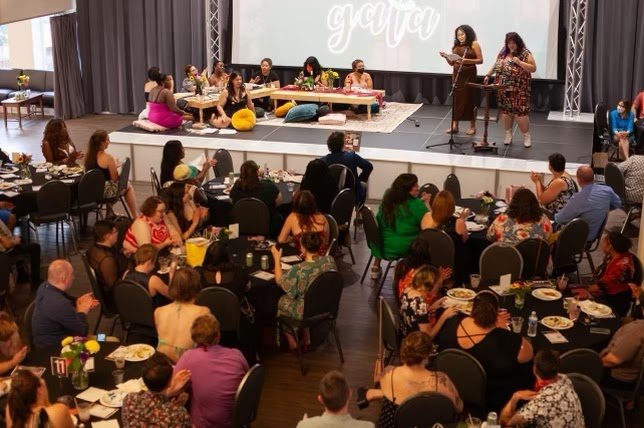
(41, 36)
(4, 47)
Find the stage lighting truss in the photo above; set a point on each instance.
(575, 58)
(213, 33)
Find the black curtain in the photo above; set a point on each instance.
(68, 90)
(121, 39)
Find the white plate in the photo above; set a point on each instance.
(547, 294)
(462, 306)
(6, 185)
(595, 309)
(113, 398)
(463, 294)
(139, 352)
(473, 226)
(557, 322)
(8, 169)
(22, 181)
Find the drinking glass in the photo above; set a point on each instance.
(290, 186)
(475, 280)
(83, 408)
(573, 309)
(473, 422)
(119, 361)
(517, 324)
(562, 282)
(118, 376)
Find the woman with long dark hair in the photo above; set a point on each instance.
(57, 147)
(319, 181)
(465, 46)
(304, 218)
(173, 154)
(523, 220)
(312, 68)
(401, 216)
(513, 68)
(231, 100)
(181, 209)
(151, 83)
(219, 270)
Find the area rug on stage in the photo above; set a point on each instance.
(386, 121)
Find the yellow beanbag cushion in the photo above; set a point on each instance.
(243, 120)
(282, 110)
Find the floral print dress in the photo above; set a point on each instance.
(517, 100)
(508, 230)
(414, 310)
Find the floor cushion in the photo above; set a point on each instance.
(244, 120)
(333, 119)
(282, 110)
(149, 126)
(301, 112)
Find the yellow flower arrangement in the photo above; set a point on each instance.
(331, 76)
(67, 341)
(24, 159)
(77, 350)
(23, 80)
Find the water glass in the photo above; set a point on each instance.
(573, 309)
(475, 280)
(119, 361)
(118, 376)
(83, 408)
(562, 282)
(517, 324)
(473, 422)
(290, 186)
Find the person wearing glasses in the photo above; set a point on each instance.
(151, 228)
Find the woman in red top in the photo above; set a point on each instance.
(151, 228)
(613, 276)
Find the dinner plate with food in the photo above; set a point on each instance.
(595, 309)
(8, 169)
(138, 352)
(6, 185)
(460, 305)
(547, 294)
(556, 322)
(113, 398)
(461, 294)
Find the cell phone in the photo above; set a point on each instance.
(100, 337)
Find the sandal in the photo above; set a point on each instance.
(471, 131)
(451, 131)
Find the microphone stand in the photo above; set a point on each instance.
(451, 141)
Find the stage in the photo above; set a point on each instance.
(403, 150)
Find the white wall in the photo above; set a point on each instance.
(18, 10)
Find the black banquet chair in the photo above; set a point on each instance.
(390, 338)
(424, 410)
(430, 188)
(584, 361)
(124, 177)
(333, 234)
(467, 375)
(5, 273)
(441, 247)
(343, 176)
(224, 305)
(136, 309)
(500, 259)
(372, 235)
(105, 309)
(453, 185)
(26, 322)
(247, 397)
(53, 202)
(224, 163)
(342, 211)
(154, 182)
(569, 248)
(593, 404)
(620, 398)
(90, 195)
(614, 178)
(253, 216)
(536, 254)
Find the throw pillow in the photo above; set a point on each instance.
(282, 110)
(243, 120)
(148, 126)
(301, 113)
(333, 119)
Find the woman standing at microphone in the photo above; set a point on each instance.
(465, 46)
(514, 67)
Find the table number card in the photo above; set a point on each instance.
(58, 366)
(505, 281)
(234, 230)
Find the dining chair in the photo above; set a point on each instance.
(569, 248)
(333, 234)
(591, 246)
(390, 336)
(584, 361)
(500, 259)
(53, 205)
(224, 305)
(124, 177)
(90, 195)
(374, 240)
(154, 182)
(26, 322)
(342, 211)
(343, 176)
(614, 178)
(453, 185)
(441, 247)
(247, 397)
(224, 163)
(106, 309)
(430, 188)
(136, 309)
(593, 404)
(536, 255)
(424, 410)
(253, 216)
(620, 398)
(468, 376)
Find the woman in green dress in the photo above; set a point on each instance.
(401, 216)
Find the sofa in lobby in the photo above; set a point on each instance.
(40, 82)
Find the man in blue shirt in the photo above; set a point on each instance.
(351, 160)
(592, 203)
(57, 314)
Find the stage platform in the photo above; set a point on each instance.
(404, 150)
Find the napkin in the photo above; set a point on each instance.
(121, 350)
(222, 197)
(501, 291)
(199, 161)
(555, 337)
(111, 423)
(10, 193)
(266, 276)
(218, 186)
(68, 181)
(234, 230)
(41, 169)
(35, 188)
(101, 411)
(132, 385)
(91, 394)
(227, 132)
(286, 266)
(291, 259)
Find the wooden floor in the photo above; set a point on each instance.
(287, 395)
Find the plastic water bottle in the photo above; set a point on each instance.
(532, 324)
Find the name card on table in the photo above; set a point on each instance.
(234, 230)
(260, 274)
(505, 281)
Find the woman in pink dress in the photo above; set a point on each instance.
(162, 106)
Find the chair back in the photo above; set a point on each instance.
(389, 327)
(593, 404)
(453, 186)
(430, 188)
(247, 397)
(637, 271)
(26, 322)
(592, 245)
(424, 410)
(536, 254)
(5, 274)
(224, 163)
(601, 120)
(500, 259)
(124, 176)
(570, 245)
(134, 304)
(371, 229)
(467, 375)
(253, 216)
(343, 176)
(98, 290)
(614, 178)
(90, 188)
(441, 247)
(53, 200)
(342, 206)
(584, 361)
(122, 224)
(154, 182)
(224, 305)
(322, 299)
(334, 232)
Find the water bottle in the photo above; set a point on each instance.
(532, 324)
(266, 170)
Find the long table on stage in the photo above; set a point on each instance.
(325, 97)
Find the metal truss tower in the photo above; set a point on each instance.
(575, 58)
(213, 31)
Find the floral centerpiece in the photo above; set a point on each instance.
(331, 77)
(77, 351)
(305, 83)
(487, 201)
(519, 289)
(200, 82)
(23, 81)
(23, 161)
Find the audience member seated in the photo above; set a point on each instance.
(614, 274)
(98, 158)
(486, 337)
(12, 349)
(163, 109)
(13, 247)
(155, 407)
(401, 216)
(334, 394)
(183, 213)
(296, 281)
(173, 154)
(592, 203)
(6, 216)
(232, 99)
(108, 263)
(151, 228)
(57, 147)
(151, 83)
(561, 187)
(624, 353)
(633, 171)
(412, 377)
(218, 78)
(146, 260)
(358, 78)
(523, 220)
(419, 303)
(554, 402)
(250, 185)
(174, 321)
(417, 256)
(215, 373)
(269, 79)
(305, 217)
(638, 113)
(622, 126)
(319, 181)
(28, 404)
(351, 160)
(57, 314)
(218, 270)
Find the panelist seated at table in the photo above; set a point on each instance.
(485, 336)
(173, 155)
(151, 227)
(155, 406)
(12, 349)
(151, 83)
(220, 271)
(304, 218)
(358, 78)
(218, 77)
(312, 68)
(174, 321)
(183, 213)
(57, 314)
(267, 78)
(146, 260)
(556, 194)
(232, 99)
(57, 147)
(28, 404)
(163, 109)
(523, 220)
(193, 79)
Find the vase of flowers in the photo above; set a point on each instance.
(23, 164)
(23, 81)
(519, 289)
(487, 202)
(331, 77)
(77, 351)
(305, 83)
